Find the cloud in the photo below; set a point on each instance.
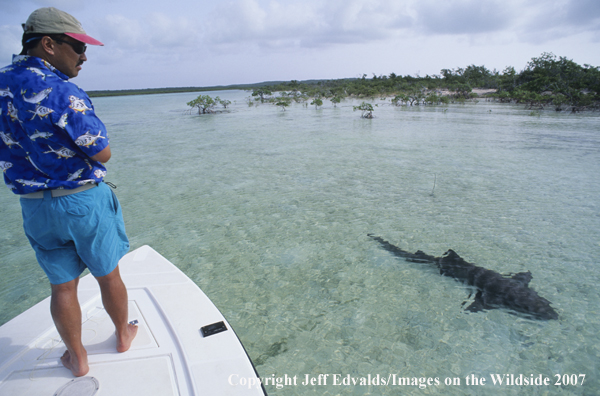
(9, 6)
(462, 17)
(60, 4)
(542, 21)
(586, 12)
(10, 43)
(154, 36)
(126, 32)
(199, 42)
(246, 20)
(170, 32)
(364, 20)
(303, 23)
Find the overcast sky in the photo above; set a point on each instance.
(151, 43)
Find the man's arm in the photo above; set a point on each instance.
(103, 156)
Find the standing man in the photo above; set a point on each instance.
(52, 153)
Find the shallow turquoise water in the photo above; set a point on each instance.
(268, 211)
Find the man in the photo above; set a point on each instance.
(52, 152)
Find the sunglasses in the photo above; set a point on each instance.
(78, 47)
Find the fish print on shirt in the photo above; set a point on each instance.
(88, 139)
(62, 123)
(13, 112)
(6, 92)
(9, 140)
(63, 152)
(35, 166)
(5, 165)
(78, 104)
(38, 134)
(40, 111)
(32, 183)
(35, 115)
(21, 58)
(37, 98)
(75, 175)
(38, 72)
(82, 182)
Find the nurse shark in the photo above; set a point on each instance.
(494, 290)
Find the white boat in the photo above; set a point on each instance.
(184, 345)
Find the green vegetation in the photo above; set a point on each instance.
(317, 102)
(223, 102)
(260, 93)
(366, 109)
(203, 103)
(283, 101)
(546, 82)
(206, 104)
(551, 81)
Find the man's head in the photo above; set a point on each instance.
(58, 38)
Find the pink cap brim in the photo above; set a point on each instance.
(84, 38)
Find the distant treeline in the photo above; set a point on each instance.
(153, 91)
(546, 81)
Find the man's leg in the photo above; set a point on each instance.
(66, 313)
(114, 298)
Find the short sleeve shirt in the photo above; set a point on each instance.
(48, 129)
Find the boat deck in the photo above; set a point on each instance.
(169, 356)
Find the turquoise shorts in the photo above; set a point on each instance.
(75, 232)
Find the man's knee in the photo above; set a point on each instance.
(114, 274)
(65, 288)
(113, 279)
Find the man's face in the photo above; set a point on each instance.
(65, 58)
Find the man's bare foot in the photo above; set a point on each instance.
(79, 369)
(124, 341)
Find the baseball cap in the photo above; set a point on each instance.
(50, 20)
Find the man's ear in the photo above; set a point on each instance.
(46, 45)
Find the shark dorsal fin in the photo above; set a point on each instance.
(523, 277)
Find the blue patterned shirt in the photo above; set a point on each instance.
(48, 129)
